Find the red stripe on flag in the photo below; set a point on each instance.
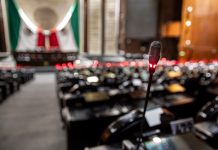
(54, 41)
(41, 40)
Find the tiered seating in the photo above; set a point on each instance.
(94, 96)
(12, 79)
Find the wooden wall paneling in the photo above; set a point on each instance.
(203, 30)
(170, 27)
(185, 50)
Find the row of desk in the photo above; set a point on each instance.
(12, 79)
(103, 104)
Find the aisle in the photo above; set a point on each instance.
(29, 119)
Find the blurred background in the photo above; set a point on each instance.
(186, 28)
(69, 69)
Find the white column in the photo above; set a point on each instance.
(5, 22)
(81, 24)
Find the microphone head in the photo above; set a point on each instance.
(154, 52)
(154, 55)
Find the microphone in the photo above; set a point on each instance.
(154, 55)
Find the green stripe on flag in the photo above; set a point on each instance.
(75, 23)
(13, 23)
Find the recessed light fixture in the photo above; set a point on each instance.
(189, 9)
(188, 23)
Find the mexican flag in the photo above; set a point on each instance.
(19, 33)
(25, 36)
(68, 37)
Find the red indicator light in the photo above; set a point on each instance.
(133, 63)
(70, 65)
(64, 65)
(95, 63)
(58, 67)
(108, 65)
(154, 66)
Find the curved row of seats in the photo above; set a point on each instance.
(12, 79)
(92, 99)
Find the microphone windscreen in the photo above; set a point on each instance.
(154, 52)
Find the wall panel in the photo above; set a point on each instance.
(203, 32)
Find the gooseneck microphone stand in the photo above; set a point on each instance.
(140, 138)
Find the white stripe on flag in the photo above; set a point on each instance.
(27, 39)
(66, 39)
